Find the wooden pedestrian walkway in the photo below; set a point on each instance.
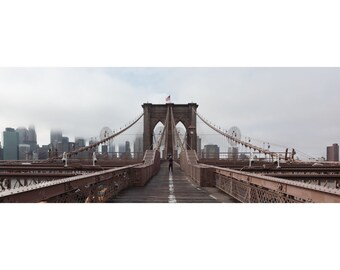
(167, 187)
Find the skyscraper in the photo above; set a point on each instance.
(199, 147)
(211, 151)
(31, 137)
(333, 152)
(127, 149)
(79, 143)
(11, 143)
(43, 152)
(1, 152)
(24, 151)
(105, 149)
(23, 135)
(233, 153)
(138, 148)
(65, 141)
(56, 137)
(93, 141)
(121, 150)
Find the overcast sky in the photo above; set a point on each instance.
(297, 107)
(293, 107)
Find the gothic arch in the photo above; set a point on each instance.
(154, 113)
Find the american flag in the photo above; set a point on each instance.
(167, 99)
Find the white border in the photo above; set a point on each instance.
(172, 33)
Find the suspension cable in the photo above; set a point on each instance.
(159, 142)
(86, 148)
(175, 132)
(239, 141)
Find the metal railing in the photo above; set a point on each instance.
(251, 188)
(92, 187)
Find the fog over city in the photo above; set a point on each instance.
(270, 68)
(293, 107)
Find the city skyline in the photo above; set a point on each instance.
(293, 107)
(21, 144)
(172, 34)
(62, 143)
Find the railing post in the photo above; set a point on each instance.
(64, 159)
(278, 161)
(94, 159)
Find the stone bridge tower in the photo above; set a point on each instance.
(154, 113)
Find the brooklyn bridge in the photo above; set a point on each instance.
(258, 174)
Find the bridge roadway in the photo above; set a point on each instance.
(171, 188)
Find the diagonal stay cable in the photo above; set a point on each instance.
(159, 142)
(246, 144)
(178, 138)
(86, 148)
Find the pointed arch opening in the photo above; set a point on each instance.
(156, 134)
(182, 132)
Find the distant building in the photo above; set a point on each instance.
(199, 147)
(63, 146)
(125, 150)
(31, 138)
(71, 146)
(138, 148)
(121, 150)
(333, 152)
(91, 142)
(79, 142)
(25, 152)
(211, 151)
(43, 152)
(23, 135)
(28, 137)
(105, 149)
(1, 152)
(35, 154)
(56, 137)
(11, 143)
(233, 153)
(112, 151)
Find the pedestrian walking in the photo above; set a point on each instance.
(171, 164)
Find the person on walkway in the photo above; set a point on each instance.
(171, 164)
